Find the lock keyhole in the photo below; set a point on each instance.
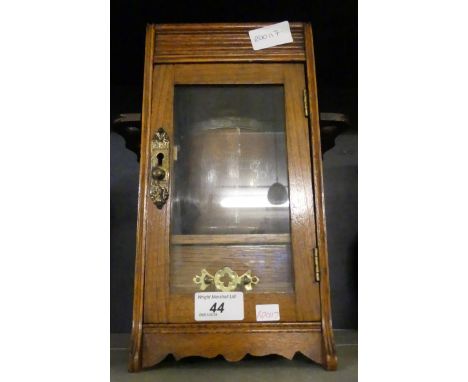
(160, 157)
(158, 172)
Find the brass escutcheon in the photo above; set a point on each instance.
(159, 189)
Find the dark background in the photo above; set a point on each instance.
(334, 24)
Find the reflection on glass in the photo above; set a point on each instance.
(230, 165)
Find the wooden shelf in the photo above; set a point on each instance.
(281, 238)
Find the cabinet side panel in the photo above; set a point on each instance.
(329, 352)
(135, 346)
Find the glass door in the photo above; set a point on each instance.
(230, 198)
(239, 214)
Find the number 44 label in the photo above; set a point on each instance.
(219, 306)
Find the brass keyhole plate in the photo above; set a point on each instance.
(159, 188)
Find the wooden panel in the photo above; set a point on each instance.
(235, 74)
(181, 307)
(271, 263)
(178, 43)
(158, 221)
(232, 341)
(280, 238)
(301, 201)
(234, 327)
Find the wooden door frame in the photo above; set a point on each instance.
(320, 342)
(303, 304)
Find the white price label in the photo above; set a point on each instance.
(219, 306)
(267, 312)
(271, 35)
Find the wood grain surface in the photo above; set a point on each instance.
(134, 363)
(330, 360)
(272, 262)
(278, 238)
(158, 220)
(179, 43)
(232, 341)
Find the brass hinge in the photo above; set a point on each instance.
(316, 265)
(306, 104)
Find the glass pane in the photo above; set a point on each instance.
(230, 203)
(230, 171)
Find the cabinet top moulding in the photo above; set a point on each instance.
(185, 43)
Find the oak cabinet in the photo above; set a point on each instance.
(231, 245)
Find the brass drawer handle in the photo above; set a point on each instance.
(159, 192)
(233, 280)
